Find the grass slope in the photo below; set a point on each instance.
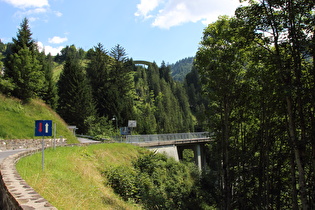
(17, 120)
(73, 179)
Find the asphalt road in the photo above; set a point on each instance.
(85, 141)
(5, 154)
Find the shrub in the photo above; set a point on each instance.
(157, 182)
(123, 180)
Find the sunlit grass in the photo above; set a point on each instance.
(17, 119)
(72, 176)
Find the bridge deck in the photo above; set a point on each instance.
(175, 142)
(168, 139)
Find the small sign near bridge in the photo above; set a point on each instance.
(132, 123)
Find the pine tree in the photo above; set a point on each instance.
(98, 73)
(22, 66)
(75, 96)
(2, 48)
(120, 91)
(49, 93)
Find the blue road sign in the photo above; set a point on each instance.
(43, 127)
(125, 131)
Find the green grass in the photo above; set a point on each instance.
(58, 68)
(72, 178)
(57, 71)
(17, 120)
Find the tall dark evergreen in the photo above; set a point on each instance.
(22, 67)
(2, 49)
(98, 72)
(49, 92)
(165, 73)
(120, 91)
(197, 102)
(75, 95)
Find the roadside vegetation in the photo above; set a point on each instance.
(73, 179)
(111, 176)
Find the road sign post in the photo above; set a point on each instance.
(55, 130)
(43, 128)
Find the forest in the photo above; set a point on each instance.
(252, 86)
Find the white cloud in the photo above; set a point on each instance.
(28, 3)
(36, 11)
(53, 50)
(49, 49)
(57, 40)
(177, 12)
(147, 6)
(58, 14)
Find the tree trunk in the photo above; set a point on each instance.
(313, 128)
(295, 205)
(226, 173)
(292, 133)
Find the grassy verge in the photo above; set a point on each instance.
(73, 179)
(18, 119)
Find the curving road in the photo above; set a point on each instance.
(7, 153)
(87, 141)
(4, 154)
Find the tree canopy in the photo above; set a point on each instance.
(257, 71)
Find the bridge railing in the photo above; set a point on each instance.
(166, 137)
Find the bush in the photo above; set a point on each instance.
(123, 180)
(157, 182)
(99, 127)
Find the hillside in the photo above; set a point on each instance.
(18, 119)
(181, 68)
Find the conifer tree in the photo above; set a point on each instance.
(121, 86)
(22, 66)
(2, 47)
(49, 93)
(98, 73)
(75, 97)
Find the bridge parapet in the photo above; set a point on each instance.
(166, 137)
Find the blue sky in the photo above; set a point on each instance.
(152, 30)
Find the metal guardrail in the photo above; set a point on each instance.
(166, 137)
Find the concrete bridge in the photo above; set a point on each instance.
(173, 145)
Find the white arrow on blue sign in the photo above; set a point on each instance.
(43, 127)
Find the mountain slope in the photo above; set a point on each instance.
(181, 68)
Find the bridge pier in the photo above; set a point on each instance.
(176, 152)
(168, 150)
(199, 153)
